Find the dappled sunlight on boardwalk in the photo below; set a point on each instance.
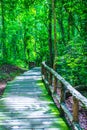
(26, 105)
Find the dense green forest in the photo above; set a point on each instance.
(46, 30)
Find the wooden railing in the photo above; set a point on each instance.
(53, 81)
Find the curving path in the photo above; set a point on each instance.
(26, 105)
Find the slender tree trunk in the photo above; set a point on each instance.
(55, 35)
(70, 26)
(25, 45)
(4, 51)
(84, 28)
(50, 33)
(35, 35)
(62, 30)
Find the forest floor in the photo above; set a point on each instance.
(82, 110)
(82, 113)
(8, 73)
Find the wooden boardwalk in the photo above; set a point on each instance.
(26, 105)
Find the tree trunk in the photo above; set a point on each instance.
(55, 35)
(50, 34)
(4, 51)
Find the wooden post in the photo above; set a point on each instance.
(42, 69)
(62, 99)
(50, 78)
(47, 76)
(75, 110)
(55, 84)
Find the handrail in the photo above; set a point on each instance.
(47, 74)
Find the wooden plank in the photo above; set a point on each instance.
(27, 105)
(74, 92)
(75, 110)
(67, 112)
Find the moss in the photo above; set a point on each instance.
(60, 123)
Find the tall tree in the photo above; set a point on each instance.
(4, 51)
(55, 34)
(50, 32)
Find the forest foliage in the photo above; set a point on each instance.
(27, 34)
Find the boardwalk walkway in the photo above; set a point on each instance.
(26, 105)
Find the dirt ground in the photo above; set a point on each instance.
(2, 87)
(7, 73)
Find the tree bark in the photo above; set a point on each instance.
(4, 50)
(50, 34)
(55, 35)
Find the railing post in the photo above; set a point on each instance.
(62, 93)
(47, 76)
(55, 84)
(62, 99)
(50, 78)
(75, 110)
(42, 69)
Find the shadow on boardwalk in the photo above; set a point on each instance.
(26, 105)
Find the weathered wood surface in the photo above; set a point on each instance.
(74, 92)
(26, 105)
(65, 90)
